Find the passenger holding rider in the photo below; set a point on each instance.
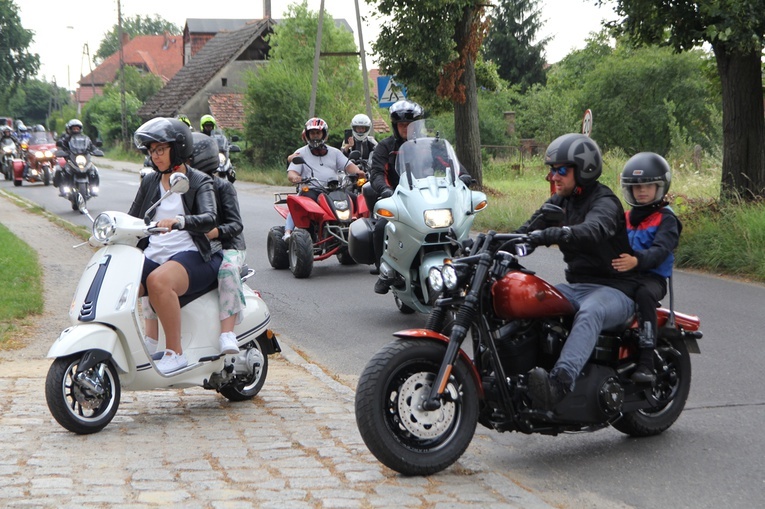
(183, 260)
(592, 234)
(383, 176)
(360, 139)
(322, 162)
(654, 233)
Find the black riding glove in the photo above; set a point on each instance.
(386, 193)
(550, 236)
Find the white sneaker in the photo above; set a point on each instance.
(228, 343)
(286, 236)
(171, 361)
(151, 345)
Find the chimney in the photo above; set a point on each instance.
(125, 38)
(266, 9)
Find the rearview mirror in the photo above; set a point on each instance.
(179, 183)
(298, 160)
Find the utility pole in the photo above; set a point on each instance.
(363, 65)
(316, 54)
(122, 78)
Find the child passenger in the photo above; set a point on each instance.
(654, 232)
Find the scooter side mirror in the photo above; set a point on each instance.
(179, 184)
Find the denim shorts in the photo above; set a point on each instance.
(201, 274)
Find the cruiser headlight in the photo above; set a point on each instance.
(449, 275)
(81, 161)
(103, 227)
(439, 218)
(435, 280)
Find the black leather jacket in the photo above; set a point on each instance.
(198, 205)
(598, 235)
(229, 220)
(382, 174)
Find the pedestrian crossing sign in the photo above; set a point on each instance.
(389, 91)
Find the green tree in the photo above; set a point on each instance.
(141, 85)
(735, 29)
(102, 115)
(32, 102)
(432, 47)
(16, 63)
(138, 25)
(512, 42)
(278, 94)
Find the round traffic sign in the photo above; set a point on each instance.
(587, 122)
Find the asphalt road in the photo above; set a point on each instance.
(712, 456)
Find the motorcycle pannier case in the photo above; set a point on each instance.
(360, 244)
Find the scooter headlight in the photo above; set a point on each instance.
(435, 280)
(104, 227)
(439, 218)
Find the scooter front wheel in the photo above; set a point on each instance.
(83, 402)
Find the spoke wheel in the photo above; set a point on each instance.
(390, 418)
(74, 403)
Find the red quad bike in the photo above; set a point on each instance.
(420, 397)
(41, 154)
(321, 227)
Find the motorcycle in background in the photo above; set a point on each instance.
(103, 351)
(41, 153)
(430, 213)
(225, 168)
(80, 175)
(420, 397)
(321, 227)
(10, 154)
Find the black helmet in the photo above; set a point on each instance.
(646, 168)
(166, 130)
(405, 111)
(205, 155)
(579, 151)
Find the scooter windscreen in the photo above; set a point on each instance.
(426, 156)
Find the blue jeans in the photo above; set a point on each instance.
(597, 307)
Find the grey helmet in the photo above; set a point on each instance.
(580, 152)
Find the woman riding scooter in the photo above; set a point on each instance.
(181, 261)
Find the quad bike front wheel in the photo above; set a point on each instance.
(301, 253)
(389, 414)
(83, 402)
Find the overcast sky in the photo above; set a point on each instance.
(63, 28)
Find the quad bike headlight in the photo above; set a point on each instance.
(439, 218)
(341, 205)
(103, 227)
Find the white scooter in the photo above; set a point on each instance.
(430, 213)
(103, 351)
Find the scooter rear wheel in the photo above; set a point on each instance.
(74, 404)
(244, 388)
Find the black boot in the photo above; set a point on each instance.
(383, 285)
(546, 390)
(375, 269)
(644, 373)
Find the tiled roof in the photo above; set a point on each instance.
(216, 54)
(157, 54)
(227, 110)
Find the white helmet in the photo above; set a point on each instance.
(363, 121)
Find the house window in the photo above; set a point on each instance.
(224, 82)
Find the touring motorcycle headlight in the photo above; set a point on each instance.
(39, 154)
(104, 227)
(8, 149)
(435, 280)
(81, 161)
(439, 218)
(48, 154)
